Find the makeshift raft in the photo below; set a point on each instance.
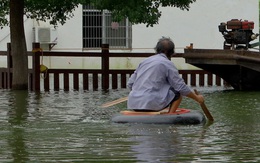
(181, 116)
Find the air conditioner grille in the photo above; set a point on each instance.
(44, 35)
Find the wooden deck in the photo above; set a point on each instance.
(240, 68)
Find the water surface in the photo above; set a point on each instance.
(72, 127)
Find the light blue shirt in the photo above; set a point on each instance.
(151, 82)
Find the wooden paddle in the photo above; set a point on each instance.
(111, 103)
(205, 109)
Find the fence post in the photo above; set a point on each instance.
(9, 66)
(36, 66)
(105, 66)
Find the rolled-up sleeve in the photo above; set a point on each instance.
(177, 82)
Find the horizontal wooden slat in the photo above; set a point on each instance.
(108, 77)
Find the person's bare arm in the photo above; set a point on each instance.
(198, 98)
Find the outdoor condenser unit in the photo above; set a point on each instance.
(46, 36)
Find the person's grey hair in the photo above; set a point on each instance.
(165, 45)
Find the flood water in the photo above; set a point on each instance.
(72, 127)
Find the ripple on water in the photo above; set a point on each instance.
(71, 126)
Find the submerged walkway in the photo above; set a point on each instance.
(241, 69)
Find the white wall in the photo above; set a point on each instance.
(4, 38)
(70, 34)
(199, 26)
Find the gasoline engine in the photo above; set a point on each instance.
(237, 34)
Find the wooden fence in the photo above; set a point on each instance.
(86, 79)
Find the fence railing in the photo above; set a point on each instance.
(86, 79)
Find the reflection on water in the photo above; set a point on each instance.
(164, 143)
(17, 115)
(72, 127)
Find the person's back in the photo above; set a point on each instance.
(150, 87)
(156, 83)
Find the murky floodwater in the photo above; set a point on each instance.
(72, 127)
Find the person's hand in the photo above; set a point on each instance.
(200, 99)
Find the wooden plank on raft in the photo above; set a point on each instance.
(129, 112)
(114, 102)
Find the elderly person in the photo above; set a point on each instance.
(156, 83)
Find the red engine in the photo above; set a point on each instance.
(237, 34)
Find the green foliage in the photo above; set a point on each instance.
(53, 10)
(140, 11)
(4, 11)
(58, 11)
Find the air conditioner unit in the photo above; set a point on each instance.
(45, 35)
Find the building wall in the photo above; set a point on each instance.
(199, 26)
